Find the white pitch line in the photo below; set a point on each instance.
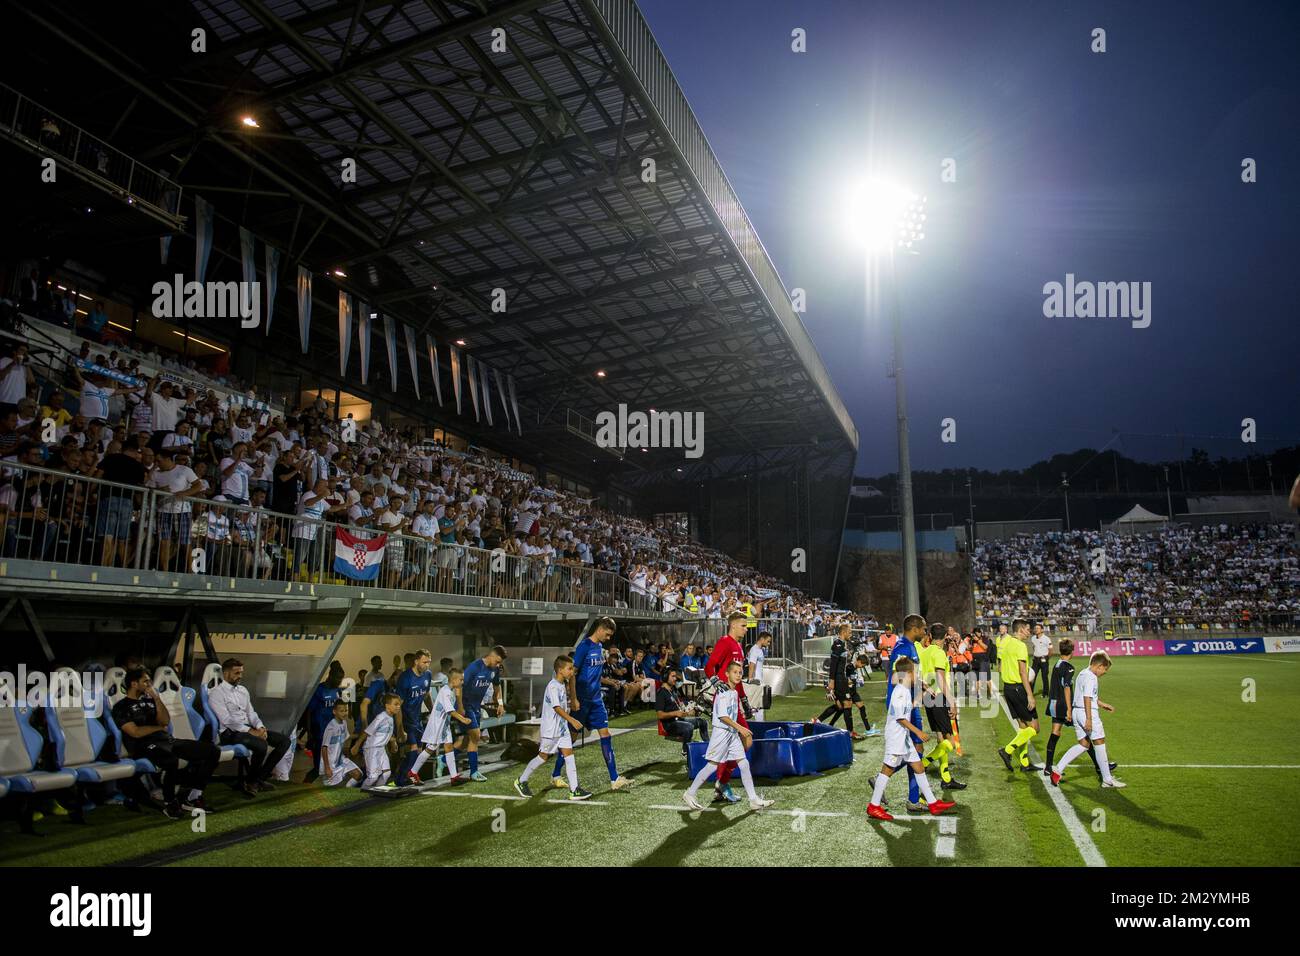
(947, 825)
(683, 808)
(1212, 766)
(472, 796)
(1078, 833)
(804, 813)
(945, 847)
(581, 803)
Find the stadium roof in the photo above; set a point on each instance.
(478, 170)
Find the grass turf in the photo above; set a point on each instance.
(1168, 711)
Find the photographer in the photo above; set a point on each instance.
(675, 716)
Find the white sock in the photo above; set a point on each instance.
(352, 782)
(747, 778)
(1078, 750)
(571, 769)
(878, 792)
(1103, 764)
(419, 762)
(194, 795)
(532, 765)
(700, 777)
(451, 762)
(926, 793)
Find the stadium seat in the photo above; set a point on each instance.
(187, 723)
(114, 684)
(211, 678)
(20, 751)
(78, 734)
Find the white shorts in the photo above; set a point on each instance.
(376, 760)
(436, 732)
(550, 745)
(341, 771)
(894, 761)
(1098, 732)
(724, 745)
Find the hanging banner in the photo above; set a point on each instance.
(514, 402)
(390, 339)
(409, 334)
(345, 335)
(247, 256)
(471, 373)
(363, 335)
(501, 394)
(202, 237)
(304, 307)
(487, 394)
(358, 558)
(271, 262)
(455, 375)
(433, 367)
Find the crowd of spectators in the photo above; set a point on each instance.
(1215, 575)
(254, 490)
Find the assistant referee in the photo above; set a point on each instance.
(1018, 692)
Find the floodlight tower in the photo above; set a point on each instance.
(890, 222)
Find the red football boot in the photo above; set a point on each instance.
(939, 806)
(877, 812)
(1056, 779)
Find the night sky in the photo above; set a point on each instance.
(1121, 166)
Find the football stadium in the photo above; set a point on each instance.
(475, 433)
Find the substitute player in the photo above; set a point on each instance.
(413, 688)
(728, 742)
(940, 705)
(437, 731)
(1018, 693)
(335, 767)
(900, 732)
(1087, 721)
(554, 732)
(586, 692)
(480, 679)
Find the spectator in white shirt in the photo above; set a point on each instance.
(239, 724)
(166, 408)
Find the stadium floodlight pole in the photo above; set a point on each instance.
(887, 218)
(970, 511)
(1065, 489)
(1169, 498)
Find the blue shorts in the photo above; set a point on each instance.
(414, 731)
(474, 714)
(592, 714)
(114, 519)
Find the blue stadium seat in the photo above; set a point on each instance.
(211, 678)
(78, 734)
(20, 751)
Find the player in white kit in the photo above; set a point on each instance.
(899, 749)
(334, 766)
(1086, 714)
(437, 730)
(727, 742)
(376, 743)
(554, 733)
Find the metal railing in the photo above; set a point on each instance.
(55, 516)
(46, 133)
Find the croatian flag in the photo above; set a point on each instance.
(358, 558)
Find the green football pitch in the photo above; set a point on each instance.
(1207, 746)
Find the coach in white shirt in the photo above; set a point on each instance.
(239, 724)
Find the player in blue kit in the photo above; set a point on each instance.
(914, 628)
(586, 692)
(413, 689)
(480, 677)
